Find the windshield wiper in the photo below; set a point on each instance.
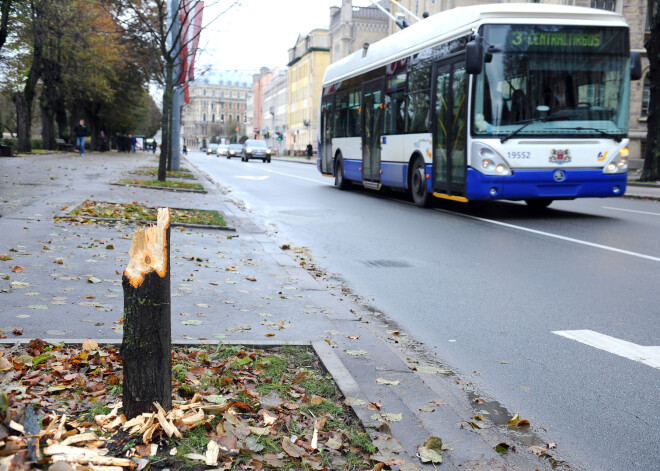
(555, 117)
(616, 137)
(527, 123)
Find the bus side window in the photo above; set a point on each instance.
(394, 112)
(417, 111)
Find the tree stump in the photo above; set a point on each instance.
(146, 348)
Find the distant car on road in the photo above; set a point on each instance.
(212, 148)
(255, 149)
(222, 150)
(234, 150)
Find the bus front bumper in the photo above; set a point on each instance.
(556, 183)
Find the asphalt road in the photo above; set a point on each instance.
(491, 289)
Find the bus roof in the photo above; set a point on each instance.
(455, 23)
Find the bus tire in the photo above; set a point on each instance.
(340, 181)
(418, 191)
(539, 203)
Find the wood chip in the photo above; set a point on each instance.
(83, 437)
(212, 450)
(16, 426)
(193, 418)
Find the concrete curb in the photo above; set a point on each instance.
(175, 190)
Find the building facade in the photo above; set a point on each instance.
(636, 14)
(308, 60)
(217, 108)
(351, 27)
(275, 101)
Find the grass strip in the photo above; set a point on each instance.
(163, 184)
(137, 212)
(170, 173)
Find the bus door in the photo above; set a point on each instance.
(372, 130)
(449, 127)
(326, 134)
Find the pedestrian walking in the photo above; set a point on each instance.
(102, 141)
(81, 133)
(133, 143)
(310, 151)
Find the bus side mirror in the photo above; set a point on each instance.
(474, 56)
(635, 66)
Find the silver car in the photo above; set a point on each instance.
(255, 149)
(222, 150)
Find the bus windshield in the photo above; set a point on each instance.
(549, 80)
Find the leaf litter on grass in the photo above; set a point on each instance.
(233, 408)
(137, 212)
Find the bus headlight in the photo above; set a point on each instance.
(619, 164)
(490, 162)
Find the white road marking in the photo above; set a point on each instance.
(556, 236)
(648, 355)
(248, 177)
(293, 176)
(632, 211)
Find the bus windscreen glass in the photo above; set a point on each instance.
(554, 81)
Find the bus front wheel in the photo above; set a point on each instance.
(340, 181)
(418, 190)
(538, 203)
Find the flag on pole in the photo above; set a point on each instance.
(190, 18)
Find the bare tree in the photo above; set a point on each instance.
(651, 170)
(152, 27)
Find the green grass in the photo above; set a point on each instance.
(170, 173)
(137, 212)
(163, 184)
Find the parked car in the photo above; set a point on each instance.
(222, 150)
(212, 148)
(255, 149)
(234, 150)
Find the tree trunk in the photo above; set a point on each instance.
(23, 121)
(651, 170)
(47, 127)
(146, 348)
(166, 122)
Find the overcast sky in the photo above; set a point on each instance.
(259, 33)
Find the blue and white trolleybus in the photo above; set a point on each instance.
(503, 101)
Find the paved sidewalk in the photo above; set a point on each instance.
(50, 296)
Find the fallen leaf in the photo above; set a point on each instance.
(292, 449)
(356, 352)
(93, 279)
(90, 345)
(385, 381)
(537, 450)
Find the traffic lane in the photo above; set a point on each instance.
(617, 223)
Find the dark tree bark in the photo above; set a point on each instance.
(24, 99)
(5, 8)
(651, 170)
(146, 348)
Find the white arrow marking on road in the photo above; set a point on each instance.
(248, 177)
(648, 355)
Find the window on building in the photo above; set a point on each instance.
(646, 95)
(213, 118)
(222, 118)
(204, 118)
(229, 117)
(204, 92)
(244, 118)
(609, 5)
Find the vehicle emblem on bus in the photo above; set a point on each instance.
(559, 175)
(560, 156)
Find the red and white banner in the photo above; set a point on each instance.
(190, 20)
